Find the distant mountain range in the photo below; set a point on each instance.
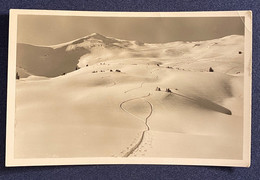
(52, 61)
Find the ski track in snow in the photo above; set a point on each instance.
(137, 145)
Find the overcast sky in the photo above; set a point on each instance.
(51, 30)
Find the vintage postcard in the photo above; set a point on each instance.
(129, 88)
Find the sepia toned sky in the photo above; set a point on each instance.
(51, 30)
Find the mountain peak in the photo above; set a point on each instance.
(95, 35)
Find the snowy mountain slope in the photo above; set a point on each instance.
(224, 54)
(45, 61)
(117, 104)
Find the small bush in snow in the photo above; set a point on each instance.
(17, 75)
(168, 90)
(158, 89)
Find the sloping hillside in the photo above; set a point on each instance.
(130, 99)
(224, 55)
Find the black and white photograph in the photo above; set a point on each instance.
(129, 88)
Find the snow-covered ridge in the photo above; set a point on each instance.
(96, 38)
(92, 38)
(56, 60)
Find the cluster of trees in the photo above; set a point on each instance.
(117, 70)
(167, 89)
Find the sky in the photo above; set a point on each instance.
(52, 30)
